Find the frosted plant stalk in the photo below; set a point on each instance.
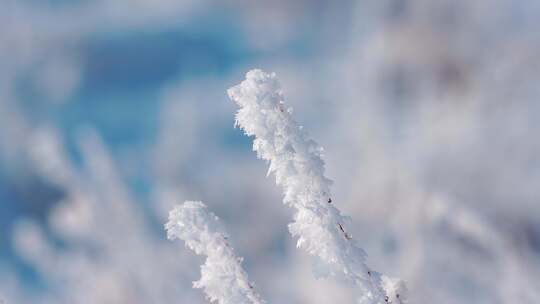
(222, 276)
(296, 161)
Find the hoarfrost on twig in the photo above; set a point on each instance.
(222, 277)
(296, 161)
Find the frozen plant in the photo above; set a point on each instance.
(96, 219)
(222, 276)
(320, 227)
(297, 164)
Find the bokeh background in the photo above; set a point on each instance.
(111, 112)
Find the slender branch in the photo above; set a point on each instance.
(222, 276)
(296, 161)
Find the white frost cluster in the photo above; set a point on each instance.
(297, 164)
(222, 276)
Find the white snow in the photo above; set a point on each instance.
(296, 161)
(222, 277)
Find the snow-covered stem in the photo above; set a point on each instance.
(222, 276)
(298, 166)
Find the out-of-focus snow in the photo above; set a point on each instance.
(428, 111)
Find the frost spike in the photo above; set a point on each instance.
(297, 164)
(222, 277)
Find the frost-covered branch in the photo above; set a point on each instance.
(222, 276)
(297, 164)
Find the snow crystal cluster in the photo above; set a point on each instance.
(320, 227)
(296, 161)
(222, 276)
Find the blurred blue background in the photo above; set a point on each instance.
(111, 112)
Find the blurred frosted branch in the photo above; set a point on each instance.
(97, 212)
(297, 164)
(222, 276)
